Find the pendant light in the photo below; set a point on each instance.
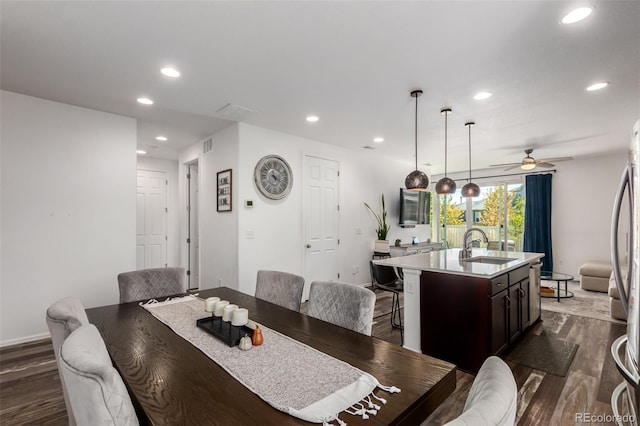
(445, 185)
(416, 180)
(470, 189)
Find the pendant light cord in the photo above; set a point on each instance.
(446, 115)
(416, 131)
(469, 124)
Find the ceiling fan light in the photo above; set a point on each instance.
(416, 181)
(528, 165)
(446, 186)
(470, 190)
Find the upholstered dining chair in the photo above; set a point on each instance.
(493, 397)
(63, 317)
(97, 393)
(151, 283)
(384, 277)
(345, 305)
(282, 288)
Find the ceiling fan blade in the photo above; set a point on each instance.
(505, 164)
(555, 160)
(544, 164)
(512, 167)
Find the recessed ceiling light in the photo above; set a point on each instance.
(312, 118)
(141, 151)
(161, 138)
(482, 95)
(145, 101)
(378, 140)
(576, 15)
(597, 86)
(170, 72)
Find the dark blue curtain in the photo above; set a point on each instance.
(537, 218)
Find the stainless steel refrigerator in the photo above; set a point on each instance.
(625, 400)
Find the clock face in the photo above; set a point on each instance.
(273, 177)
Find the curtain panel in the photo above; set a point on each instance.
(537, 218)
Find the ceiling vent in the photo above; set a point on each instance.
(235, 112)
(207, 145)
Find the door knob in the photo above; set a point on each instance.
(308, 245)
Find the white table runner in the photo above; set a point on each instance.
(289, 375)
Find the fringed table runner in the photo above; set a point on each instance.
(289, 375)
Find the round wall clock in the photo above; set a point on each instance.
(273, 177)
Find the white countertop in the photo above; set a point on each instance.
(447, 261)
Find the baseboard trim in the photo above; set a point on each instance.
(26, 339)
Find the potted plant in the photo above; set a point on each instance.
(382, 244)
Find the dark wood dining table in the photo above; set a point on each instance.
(173, 383)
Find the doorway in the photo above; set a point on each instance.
(321, 214)
(193, 234)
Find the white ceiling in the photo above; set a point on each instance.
(351, 63)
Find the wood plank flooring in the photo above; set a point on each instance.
(30, 391)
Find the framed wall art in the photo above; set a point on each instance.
(224, 190)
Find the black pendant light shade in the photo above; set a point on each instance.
(416, 180)
(470, 189)
(445, 185)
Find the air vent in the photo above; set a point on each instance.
(235, 112)
(368, 147)
(207, 145)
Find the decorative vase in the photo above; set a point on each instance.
(381, 246)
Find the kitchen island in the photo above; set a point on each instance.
(464, 310)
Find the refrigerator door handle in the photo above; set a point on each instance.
(616, 347)
(619, 392)
(625, 182)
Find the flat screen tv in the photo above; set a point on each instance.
(414, 207)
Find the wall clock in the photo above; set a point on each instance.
(273, 177)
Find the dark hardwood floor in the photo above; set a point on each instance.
(30, 391)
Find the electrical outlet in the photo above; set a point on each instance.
(355, 269)
(358, 231)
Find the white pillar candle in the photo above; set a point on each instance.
(227, 311)
(210, 303)
(240, 316)
(219, 307)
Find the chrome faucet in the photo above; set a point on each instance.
(465, 252)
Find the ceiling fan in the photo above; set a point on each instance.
(530, 163)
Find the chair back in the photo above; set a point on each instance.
(151, 283)
(97, 393)
(64, 317)
(493, 397)
(383, 274)
(281, 288)
(345, 305)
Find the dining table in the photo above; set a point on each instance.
(171, 382)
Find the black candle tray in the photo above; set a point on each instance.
(223, 330)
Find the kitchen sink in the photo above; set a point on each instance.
(489, 259)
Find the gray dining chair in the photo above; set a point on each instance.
(97, 393)
(151, 283)
(493, 397)
(63, 317)
(281, 288)
(345, 305)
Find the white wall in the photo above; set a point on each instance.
(170, 167)
(68, 209)
(583, 196)
(218, 230)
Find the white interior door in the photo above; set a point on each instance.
(151, 219)
(320, 200)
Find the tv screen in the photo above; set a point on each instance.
(414, 207)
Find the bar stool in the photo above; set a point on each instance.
(385, 278)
